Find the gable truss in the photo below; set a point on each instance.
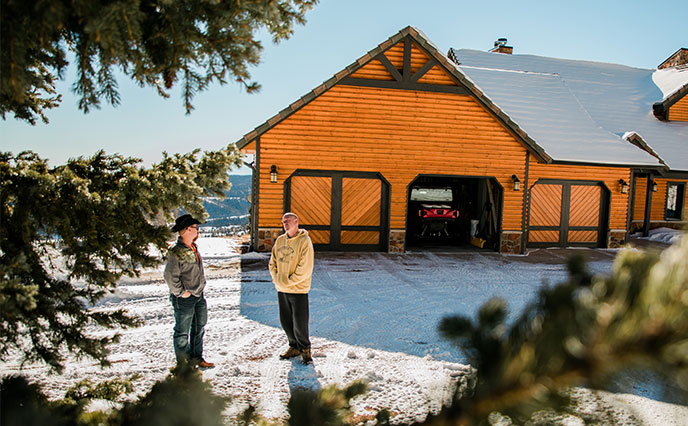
(405, 78)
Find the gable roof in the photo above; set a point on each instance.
(673, 82)
(617, 98)
(426, 45)
(562, 139)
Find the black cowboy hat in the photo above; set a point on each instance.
(184, 221)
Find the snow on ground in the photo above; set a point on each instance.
(374, 317)
(662, 235)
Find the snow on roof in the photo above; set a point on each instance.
(670, 80)
(616, 99)
(545, 108)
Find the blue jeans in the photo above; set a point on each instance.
(190, 317)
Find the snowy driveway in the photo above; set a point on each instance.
(373, 317)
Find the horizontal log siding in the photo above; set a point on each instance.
(658, 199)
(679, 110)
(639, 198)
(373, 70)
(436, 76)
(609, 175)
(399, 133)
(395, 54)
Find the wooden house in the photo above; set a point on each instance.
(408, 148)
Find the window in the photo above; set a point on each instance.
(675, 195)
(431, 194)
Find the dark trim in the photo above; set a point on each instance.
(389, 66)
(407, 60)
(675, 175)
(255, 200)
(524, 212)
(422, 71)
(657, 168)
(630, 209)
(403, 85)
(335, 227)
(648, 205)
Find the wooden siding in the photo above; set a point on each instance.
(373, 70)
(659, 200)
(679, 110)
(311, 199)
(585, 206)
(545, 208)
(608, 175)
(436, 76)
(398, 133)
(361, 202)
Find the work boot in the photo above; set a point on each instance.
(203, 364)
(290, 353)
(306, 356)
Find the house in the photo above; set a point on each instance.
(410, 148)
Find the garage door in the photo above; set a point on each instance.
(342, 211)
(568, 213)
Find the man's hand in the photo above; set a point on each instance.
(186, 294)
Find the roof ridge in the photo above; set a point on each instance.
(510, 70)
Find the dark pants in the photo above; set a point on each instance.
(190, 317)
(293, 312)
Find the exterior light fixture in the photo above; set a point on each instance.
(624, 186)
(517, 183)
(654, 186)
(273, 174)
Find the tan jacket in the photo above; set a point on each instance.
(291, 263)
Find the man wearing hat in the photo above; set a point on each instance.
(185, 278)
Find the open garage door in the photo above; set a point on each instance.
(342, 211)
(568, 213)
(450, 212)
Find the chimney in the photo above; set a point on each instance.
(501, 47)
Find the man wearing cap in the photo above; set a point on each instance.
(185, 278)
(291, 268)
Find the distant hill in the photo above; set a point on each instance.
(234, 209)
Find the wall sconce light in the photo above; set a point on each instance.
(273, 174)
(654, 186)
(624, 186)
(517, 183)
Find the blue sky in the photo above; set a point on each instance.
(635, 33)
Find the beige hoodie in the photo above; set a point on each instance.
(291, 263)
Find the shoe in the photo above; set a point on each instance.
(205, 364)
(306, 356)
(290, 353)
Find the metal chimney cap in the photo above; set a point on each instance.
(500, 42)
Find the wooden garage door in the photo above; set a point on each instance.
(568, 213)
(311, 200)
(341, 210)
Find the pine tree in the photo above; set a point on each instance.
(157, 43)
(100, 216)
(578, 333)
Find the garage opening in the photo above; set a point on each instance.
(453, 213)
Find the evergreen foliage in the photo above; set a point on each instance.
(157, 43)
(101, 216)
(577, 333)
(181, 399)
(327, 407)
